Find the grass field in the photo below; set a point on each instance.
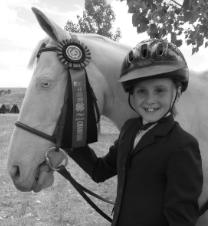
(15, 97)
(59, 205)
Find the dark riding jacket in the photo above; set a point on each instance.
(159, 182)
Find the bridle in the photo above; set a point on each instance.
(77, 63)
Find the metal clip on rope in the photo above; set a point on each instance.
(63, 159)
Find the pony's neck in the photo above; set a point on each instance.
(104, 72)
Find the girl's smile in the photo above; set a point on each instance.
(153, 98)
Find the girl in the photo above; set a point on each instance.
(158, 164)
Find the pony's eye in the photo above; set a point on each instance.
(45, 84)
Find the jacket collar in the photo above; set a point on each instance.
(164, 126)
(161, 129)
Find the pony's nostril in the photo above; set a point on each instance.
(15, 172)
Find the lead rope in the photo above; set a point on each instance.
(82, 191)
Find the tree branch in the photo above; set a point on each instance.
(176, 3)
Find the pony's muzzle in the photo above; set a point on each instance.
(17, 178)
(14, 172)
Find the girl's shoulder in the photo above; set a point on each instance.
(130, 121)
(128, 125)
(182, 136)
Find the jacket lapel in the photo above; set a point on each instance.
(160, 130)
(127, 139)
(145, 141)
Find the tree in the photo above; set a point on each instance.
(98, 18)
(14, 109)
(162, 19)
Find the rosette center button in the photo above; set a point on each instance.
(74, 52)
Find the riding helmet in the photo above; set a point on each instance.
(154, 58)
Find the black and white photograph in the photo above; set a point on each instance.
(104, 113)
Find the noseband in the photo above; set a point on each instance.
(73, 55)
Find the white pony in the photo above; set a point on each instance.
(45, 95)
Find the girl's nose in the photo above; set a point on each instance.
(150, 99)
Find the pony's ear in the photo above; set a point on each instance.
(51, 28)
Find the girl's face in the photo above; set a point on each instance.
(152, 98)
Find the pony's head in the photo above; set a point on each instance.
(40, 110)
(45, 96)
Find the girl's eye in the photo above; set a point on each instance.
(140, 91)
(160, 90)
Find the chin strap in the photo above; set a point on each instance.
(129, 101)
(171, 106)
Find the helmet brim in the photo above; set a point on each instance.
(150, 71)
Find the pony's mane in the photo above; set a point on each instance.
(93, 36)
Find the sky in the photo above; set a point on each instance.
(20, 33)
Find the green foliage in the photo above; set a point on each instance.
(97, 17)
(162, 19)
